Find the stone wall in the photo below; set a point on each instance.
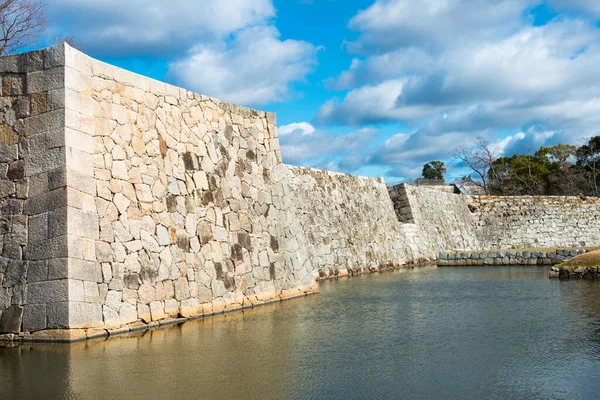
(349, 222)
(534, 222)
(443, 220)
(126, 202)
(507, 257)
(146, 201)
(33, 195)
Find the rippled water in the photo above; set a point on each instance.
(427, 333)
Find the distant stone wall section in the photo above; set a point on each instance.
(447, 222)
(442, 220)
(508, 257)
(349, 222)
(399, 196)
(536, 221)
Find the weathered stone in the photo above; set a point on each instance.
(182, 290)
(244, 240)
(128, 314)
(11, 320)
(45, 202)
(172, 308)
(16, 272)
(164, 238)
(37, 272)
(45, 80)
(57, 314)
(190, 161)
(85, 315)
(157, 310)
(205, 232)
(34, 318)
(143, 313)
(8, 137)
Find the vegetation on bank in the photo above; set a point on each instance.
(560, 170)
(589, 259)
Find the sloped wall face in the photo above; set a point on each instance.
(349, 221)
(536, 222)
(33, 200)
(443, 220)
(177, 201)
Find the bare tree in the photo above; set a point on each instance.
(22, 23)
(480, 158)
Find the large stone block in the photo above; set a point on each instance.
(58, 222)
(57, 315)
(42, 123)
(79, 161)
(8, 151)
(11, 320)
(157, 310)
(5, 298)
(85, 315)
(54, 56)
(38, 227)
(34, 318)
(83, 224)
(16, 272)
(49, 249)
(45, 202)
(81, 248)
(45, 80)
(81, 182)
(38, 271)
(48, 292)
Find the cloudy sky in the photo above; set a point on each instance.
(369, 87)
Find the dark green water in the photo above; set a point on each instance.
(453, 333)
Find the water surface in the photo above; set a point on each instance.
(426, 333)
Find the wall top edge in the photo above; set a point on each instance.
(537, 197)
(65, 55)
(33, 61)
(332, 173)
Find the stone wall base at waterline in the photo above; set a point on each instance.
(204, 310)
(509, 257)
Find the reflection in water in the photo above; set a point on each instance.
(498, 332)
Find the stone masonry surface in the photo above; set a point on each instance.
(443, 220)
(126, 200)
(34, 278)
(349, 223)
(540, 221)
(537, 256)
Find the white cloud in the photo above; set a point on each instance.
(585, 6)
(389, 24)
(372, 104)
(302, 144)
(489, 65)
(384, 66)
(224, 48)
(505, 145)
(154, 26)
(298, 128)
(257, 67)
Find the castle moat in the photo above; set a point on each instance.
(502, 332)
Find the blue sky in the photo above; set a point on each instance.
(369, 87)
